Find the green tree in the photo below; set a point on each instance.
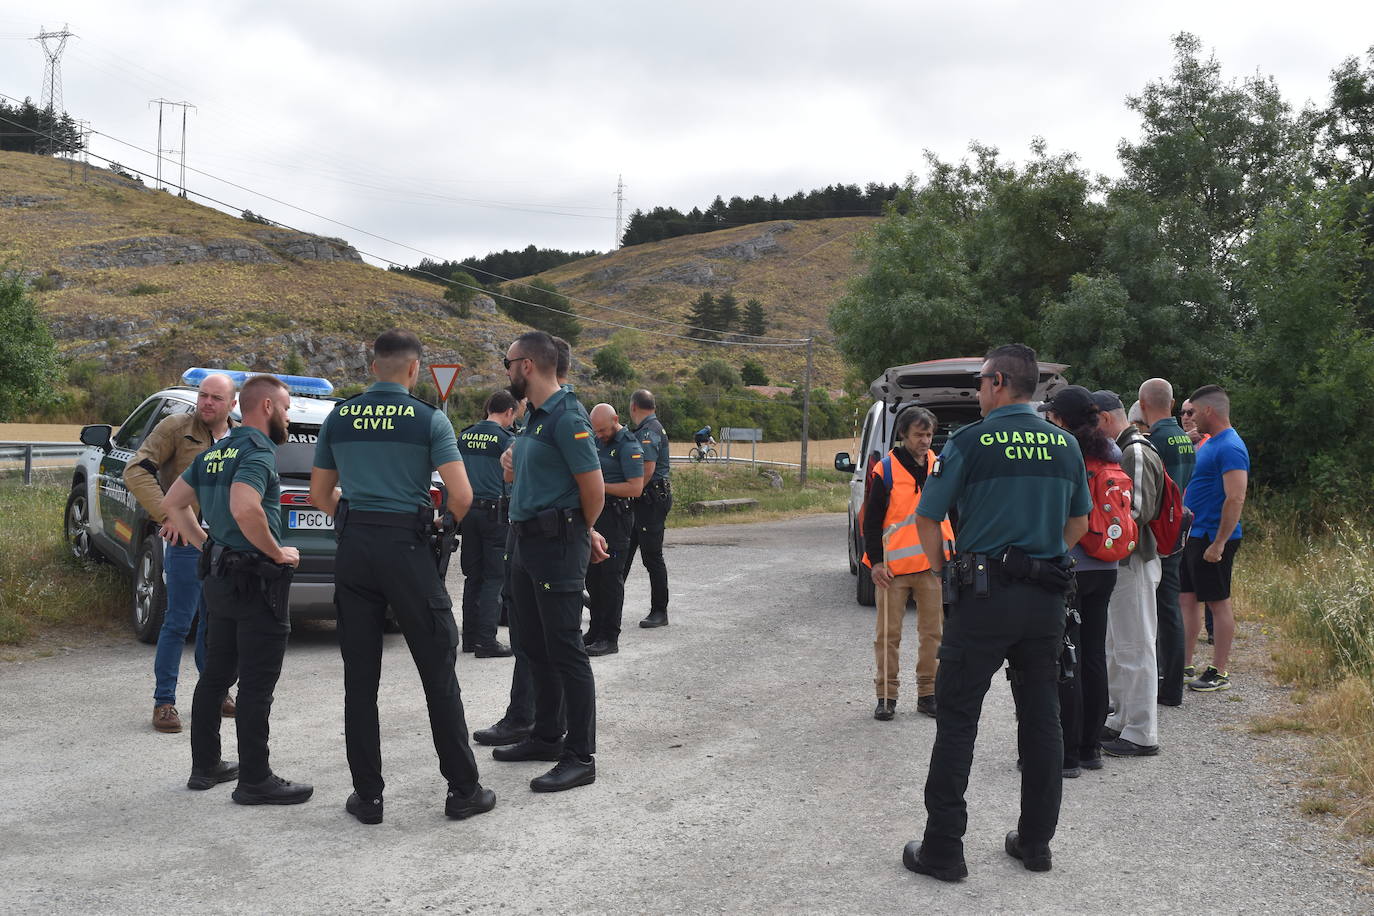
(727, 312)
(612, 365)
(540, 305)
(719, 373)
(755, 324)
(751, 373)
(28, 356)
(703, 318)
(461, 292)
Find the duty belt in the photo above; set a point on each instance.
(620, 503)
(550, 523)
(490, 503)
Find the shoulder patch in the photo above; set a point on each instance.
(581, 435)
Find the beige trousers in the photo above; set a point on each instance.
(925, 588)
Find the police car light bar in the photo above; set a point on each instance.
(297, 384)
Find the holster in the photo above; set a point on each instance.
(340, 516)
(1068, 658)
(552, 523)
(1054, 575)
(203, 561)
(443, 538)
(275, 581)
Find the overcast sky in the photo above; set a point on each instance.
(458, 128)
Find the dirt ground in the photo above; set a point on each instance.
(40, 432)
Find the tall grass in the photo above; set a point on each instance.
(1317, 587)
(825, 491)
(41, 585)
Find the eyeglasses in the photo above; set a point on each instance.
(507, 362)
(1189, 412)
(988, 375)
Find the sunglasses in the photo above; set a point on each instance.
(507, 362)
(1189, 412)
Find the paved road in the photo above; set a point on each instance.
(739, 771)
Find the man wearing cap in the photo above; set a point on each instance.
(1176, 449)
(167, 451)
(1022, 497)
(1132, 665)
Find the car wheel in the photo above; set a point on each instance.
(864, 590)
(76, 527)
(150, 591)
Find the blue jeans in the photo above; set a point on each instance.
(184, 604)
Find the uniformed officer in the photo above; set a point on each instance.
(1021, 492)
(652, 507)
(555, 500)
(247, 578)
(622, 469)
(381, 447)
(482, 549)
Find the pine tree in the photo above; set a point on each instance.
(754, 322)
(703, 317)
(727, 312)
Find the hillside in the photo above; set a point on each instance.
(136, 279)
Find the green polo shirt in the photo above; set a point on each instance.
(246, 455)
(622, 458)
(481, 445)
(1176, 450)
(1015, 478)
(385, 443)
(654, 439)
(557, 443)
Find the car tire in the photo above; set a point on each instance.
(865, 592)
(149, 591)
(76, 526)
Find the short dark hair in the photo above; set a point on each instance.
(397, 342)
(1019, 368)
(564, 357)
(258, 389)
(644, 399)
(1213, 396)
(539, 347)
(913, 416)
(500, 402)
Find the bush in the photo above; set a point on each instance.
(612, 365)
(718, 372)
(751, 373)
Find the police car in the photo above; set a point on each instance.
(104, 521)
(948, 388)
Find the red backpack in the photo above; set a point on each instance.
(1174, 521)
(1112, 533)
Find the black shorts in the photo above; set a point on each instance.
(1209, 581)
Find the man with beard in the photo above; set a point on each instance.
(247, 576)
(164, 455)
(381, 448)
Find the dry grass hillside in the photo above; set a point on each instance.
(136, 279)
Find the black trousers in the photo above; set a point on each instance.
(605, 580)
(1024, 625)
(244, 639)
(1169, 639)
(377, 566)
(646, 536)
(1083, 698)
(482, 556)
(547, 575)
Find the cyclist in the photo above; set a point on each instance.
(704, 438)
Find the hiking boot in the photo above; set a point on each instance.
(202, 779)
(165, 719)
(603, 647)
(885, 710)
(1035, 857)
(655, 619)
(461, 808)
(943, 871)
(1211, 680)
(926, 705)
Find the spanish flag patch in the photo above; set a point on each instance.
(582, 435)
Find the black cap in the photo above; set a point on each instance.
(1108, 400)
(1070, 402)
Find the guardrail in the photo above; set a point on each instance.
(40, 454)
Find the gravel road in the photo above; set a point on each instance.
(739, 770)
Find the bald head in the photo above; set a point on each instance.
(1156, 399)
(215, 400)
(605, 422)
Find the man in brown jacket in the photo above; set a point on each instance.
(167, 451)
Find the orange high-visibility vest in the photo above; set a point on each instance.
(902, 551)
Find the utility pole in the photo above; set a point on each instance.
(806, 409)
(168, 103)
(619, 210)
(85, 128)
(51, 101)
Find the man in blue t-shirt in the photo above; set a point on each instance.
(1216, 494)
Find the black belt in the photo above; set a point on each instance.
(550, 523)
(387, 519)
(620, 503)
(490, 503)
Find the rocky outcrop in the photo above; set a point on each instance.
(26, 201)
(755, 248)
(154, 251)
(688, 275)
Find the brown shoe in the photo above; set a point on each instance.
(228, 709)
(165, 718)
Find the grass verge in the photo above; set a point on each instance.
(825, 491)
(41, 585)
(1316, 593)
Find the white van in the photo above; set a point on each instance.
(948, 388)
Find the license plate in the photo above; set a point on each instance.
(309, 519)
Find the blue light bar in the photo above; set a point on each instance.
(307, 385)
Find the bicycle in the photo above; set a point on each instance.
(699, 453)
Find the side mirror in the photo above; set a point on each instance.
(844, 463)
(98, 435)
